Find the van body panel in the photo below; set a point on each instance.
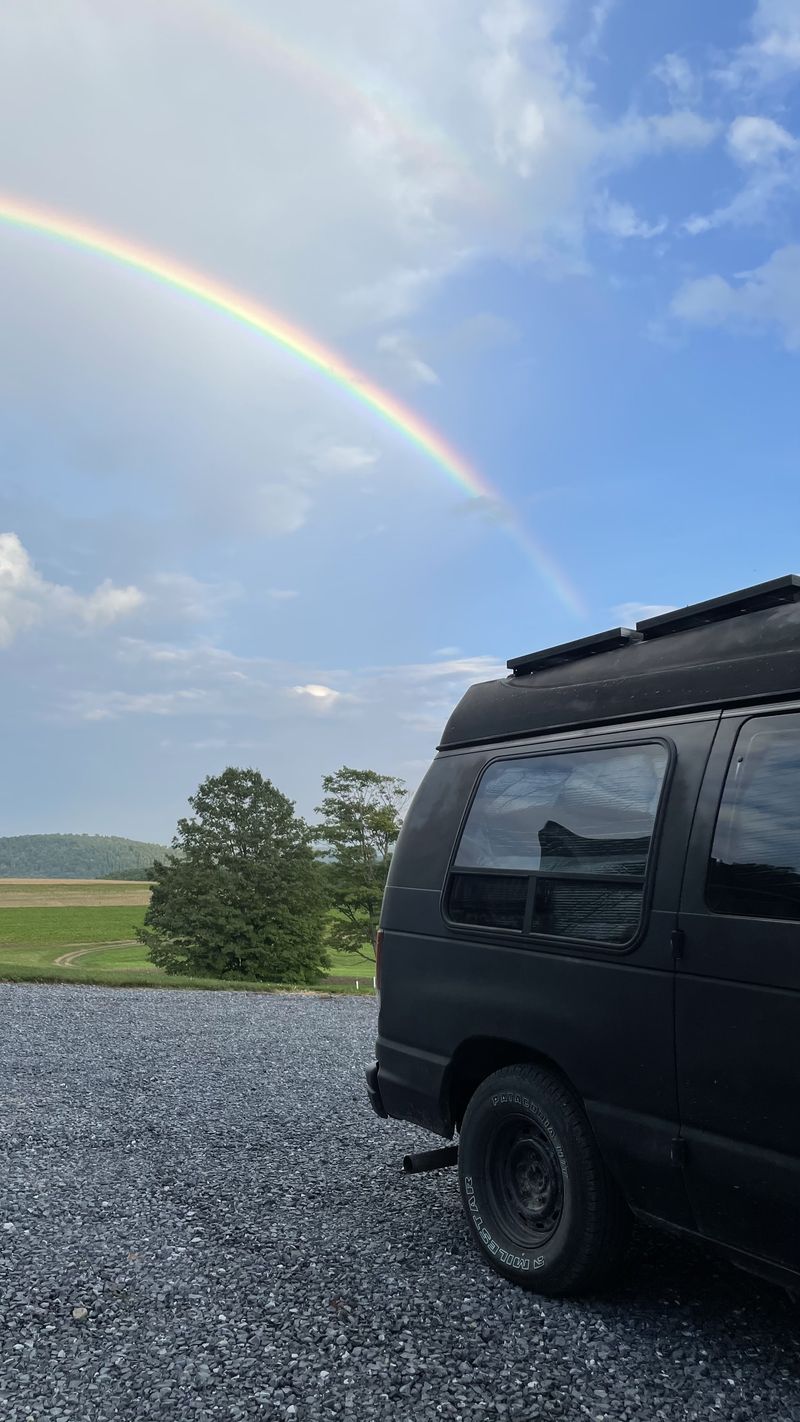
(738, 1049)
(608, 1026)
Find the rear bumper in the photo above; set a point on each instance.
(408, 1084)
(374, 1092)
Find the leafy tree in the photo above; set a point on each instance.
(361, 819)
(245, 898)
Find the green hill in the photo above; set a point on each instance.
(75, 856)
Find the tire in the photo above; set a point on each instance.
(539, 1200)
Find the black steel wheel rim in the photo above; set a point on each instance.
(525, 1180)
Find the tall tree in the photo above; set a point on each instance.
(361, 819)
(245, 898)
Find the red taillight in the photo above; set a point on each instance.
(378, 950)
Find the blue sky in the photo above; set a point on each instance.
(565, 233)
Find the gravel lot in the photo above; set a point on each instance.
(201, 1173)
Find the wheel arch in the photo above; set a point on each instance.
(478, 1057)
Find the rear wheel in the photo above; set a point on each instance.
(539, 1200)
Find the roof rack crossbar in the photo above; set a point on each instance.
(718, 609)
(574, 651)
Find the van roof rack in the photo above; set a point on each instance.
(717, 609)
(698, 614)
(573, 651)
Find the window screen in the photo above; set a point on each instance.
(572, 831)
(755, 857)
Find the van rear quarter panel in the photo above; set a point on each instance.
(604, 1018)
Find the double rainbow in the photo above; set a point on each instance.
(85, 236)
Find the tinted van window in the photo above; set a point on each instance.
(755, 857)
(558, 844)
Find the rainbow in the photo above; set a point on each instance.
(256, 43)
(217, 296)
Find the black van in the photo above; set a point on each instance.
(590, 955)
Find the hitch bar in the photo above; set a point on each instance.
(430, 1160)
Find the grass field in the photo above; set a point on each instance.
(64, 893)
(89, 937)
(84, 924)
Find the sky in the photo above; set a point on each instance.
(562, 234)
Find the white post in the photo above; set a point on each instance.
(356, 984)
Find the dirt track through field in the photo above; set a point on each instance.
(79, 950)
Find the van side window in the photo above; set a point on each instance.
(558, 844)
(755, 858)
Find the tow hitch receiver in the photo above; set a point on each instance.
(430, 1160)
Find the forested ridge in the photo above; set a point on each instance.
(75, 856)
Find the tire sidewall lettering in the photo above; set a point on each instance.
(523, 1263)
(516, 1098)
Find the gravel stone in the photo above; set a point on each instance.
(198, 1176)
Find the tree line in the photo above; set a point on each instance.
(251, 891)
(75, 856)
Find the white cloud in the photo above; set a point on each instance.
(282, 594)
(212, 702)
(203, 656)
(209, 681)
(110, 705)
(599, 15)
(27, 599)
(455, 669)
(181, 596)
(280, 508)
(761, 147)
(106, 603)
(322, 697)
(704, 301)
(767, 298)
(344, 459)
(638, 135)
(629, 613)
(619, 219)
(683, 128)
(750, 205)
(399, 292)
(679, 79)
(754, 139)
(773, 53)
(541, 126)
(398, 346)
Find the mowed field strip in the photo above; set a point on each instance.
(84, 931)
(66, 893)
